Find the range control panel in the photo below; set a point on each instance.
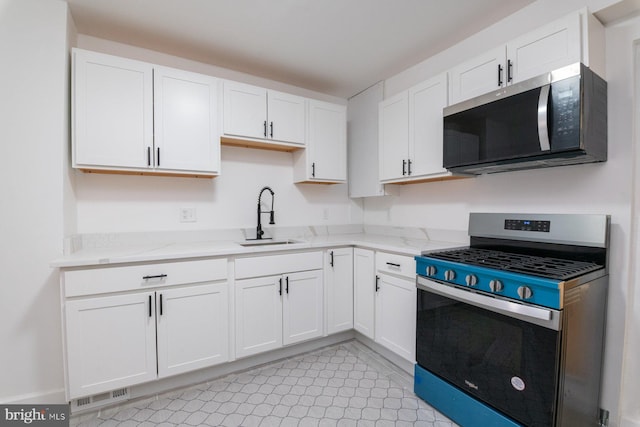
(527, 225)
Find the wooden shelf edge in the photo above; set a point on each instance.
(261, 145)
(127, 172)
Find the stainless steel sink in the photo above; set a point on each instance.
(268, 242)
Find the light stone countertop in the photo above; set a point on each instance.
(108, 249)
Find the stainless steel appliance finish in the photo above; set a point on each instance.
(512, 326)
(558, 118)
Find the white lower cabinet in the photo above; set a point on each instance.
(385, 300)
(338, 277)
(272, 310)
(150, 329)
(396, 315)
(258, 315)
(395, 312)
(192, 328)
(111, 342)
(364, 290)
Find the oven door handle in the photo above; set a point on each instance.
(547, 318)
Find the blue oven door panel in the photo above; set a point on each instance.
(455, 404)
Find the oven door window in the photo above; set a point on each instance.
(507, 363)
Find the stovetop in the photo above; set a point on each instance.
(547, 267)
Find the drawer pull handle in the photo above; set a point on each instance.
(393, 264)
(158, 276)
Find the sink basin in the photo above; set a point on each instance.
(267, 242)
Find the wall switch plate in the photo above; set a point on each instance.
(188, 215)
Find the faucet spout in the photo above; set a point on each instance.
(259, 231)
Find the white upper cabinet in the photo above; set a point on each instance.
(410, 135)
(477, 76)
(394, 137)
(118, 105)
(185, 116)
(426, 102)
(112, 111)
(577, 37)
(325, 158)
(257, 113)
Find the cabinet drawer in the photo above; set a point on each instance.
(135, 277)
(400, 265)
(277, 264)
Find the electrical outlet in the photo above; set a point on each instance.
(325, 214)
(188, 215)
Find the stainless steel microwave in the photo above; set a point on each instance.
(559, 118)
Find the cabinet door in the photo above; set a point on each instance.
(258, 315)
(185, 121)
(111, 342)
(286, 117)
(192, 328)
(426, 102)
(327, 141)
(396, 316)
(339, 289)
(112, 111)
(302, 310)
(480, 75)
(545, 49)
(364, 289)
(245, 110)
(394, 137)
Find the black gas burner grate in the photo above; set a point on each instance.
(550, 268)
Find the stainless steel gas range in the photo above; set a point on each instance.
(510, 329)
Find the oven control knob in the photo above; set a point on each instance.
(449, 275)
(525, 292)
(471, 280)
(431, 270)
(496, 286)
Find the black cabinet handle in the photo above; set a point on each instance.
(404, 167)
(157, 276)
(287, 280)
(148, 156)
(499, 75)
(377, 285)
(509, 74)
(158, 159)
(393, 264)
(149, 305)
(271, 129)
(160, 304)
(313, 169)
(409, 167)
(280, 291)
(265, 128)
(331, 260)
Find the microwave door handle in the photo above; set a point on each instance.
(543, 126)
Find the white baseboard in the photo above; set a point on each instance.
(42, 398)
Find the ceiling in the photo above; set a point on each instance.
(336, 47)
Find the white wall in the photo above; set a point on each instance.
(33, 140)
(594, 188)
(110, 203)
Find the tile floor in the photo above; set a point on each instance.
(346, 384)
